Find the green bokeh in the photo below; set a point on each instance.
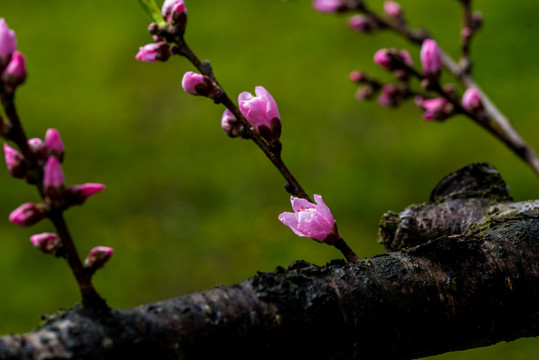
(187, 208)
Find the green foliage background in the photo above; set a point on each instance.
(186, 207)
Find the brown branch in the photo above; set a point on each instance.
(451, 293)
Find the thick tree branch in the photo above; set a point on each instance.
(454, 292)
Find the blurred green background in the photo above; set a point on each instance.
(187, 208)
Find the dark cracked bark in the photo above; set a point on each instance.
(468, 288)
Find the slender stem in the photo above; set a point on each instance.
(271, 150)
(90, 297)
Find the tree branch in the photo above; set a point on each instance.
(470, 287)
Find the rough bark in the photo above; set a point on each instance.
(475, 285)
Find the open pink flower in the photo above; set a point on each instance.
(261, 111)
(310, 220)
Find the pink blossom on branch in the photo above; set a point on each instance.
(435, 109)
(54, 143)
(49, 243)
(28, 214)
(15, 72)
(171, 7)
(261, 112)
(471, 100)
(53, 176)
(311, 220)
(16, 166)
(392, 9)
(8, 42)
(197, 84)
(329, 6)
(77, 194)
(97, 257)
(153, 52)
(431, 58)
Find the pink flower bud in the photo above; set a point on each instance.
(97, 257)
(310, 220)
(390, 95)
(382, 58)
(362, 23)
(471, 101)
(329, 6)
(49, 243)
(77, 194)
(436, 109)
(231, 126)
(198, 84)
(431, 58)
(393, 9)
(159, 51)
(54, 143)
(28, 214)
(16, 166)
(8, 43)
(261, 111)
(15, 72)
(53, 176)
(171, 7)
(356, 76)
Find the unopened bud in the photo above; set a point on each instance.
(431, 59)
(77, 194)
(97, 257)
(437, 109)
(362, 23)
(230, 124)
(330, 6)
(15, 72)
(8, 43)
(390, 95)
(53, 180)
(16, 166)
(28, 214)
(54, 143)
(153, 52)
(393, 9)
(471, 100)
(198, 84)
(49, 243)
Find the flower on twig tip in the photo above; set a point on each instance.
(230, 124)
(48, 243)
(28, 214)
(261, 112)
(54, 143)
(198, 84)
(15, 71)
(77, 194)
(153, 52)
(431, 59)
(16, 166)
(97, 257)
(330, 6)
(471, 100)
(311, 220)
(8, 43)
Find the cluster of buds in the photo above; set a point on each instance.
(175, 15)
(12, 62)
